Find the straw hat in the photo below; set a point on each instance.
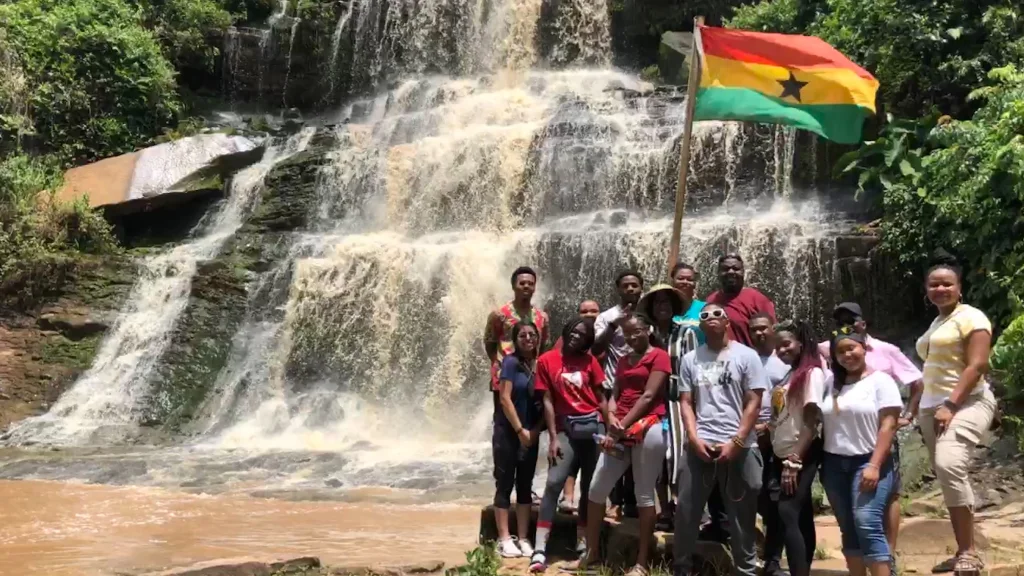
(646, 304)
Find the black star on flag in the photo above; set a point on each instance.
(791, 87)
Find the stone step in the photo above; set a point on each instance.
(923, 543)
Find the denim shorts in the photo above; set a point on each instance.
(859, 514)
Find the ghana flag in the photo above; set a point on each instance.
(787, 79)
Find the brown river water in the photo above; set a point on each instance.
(68, 529)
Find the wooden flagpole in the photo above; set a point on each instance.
(692, 82)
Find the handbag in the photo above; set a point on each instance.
(583, 427)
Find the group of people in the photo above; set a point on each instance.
(716, 412)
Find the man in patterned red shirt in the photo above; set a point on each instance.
(498, 332)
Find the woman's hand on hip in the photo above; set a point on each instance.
(943, 417)
(869, 478)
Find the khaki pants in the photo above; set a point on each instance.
(950, 453)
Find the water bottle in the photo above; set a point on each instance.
(617, 450)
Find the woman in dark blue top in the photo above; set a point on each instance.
(517, 425)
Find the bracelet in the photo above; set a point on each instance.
(738, 441)
(870, 465)
(792, 465)
(951, 406)
(794, 458)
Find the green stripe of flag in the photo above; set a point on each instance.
(841, 123)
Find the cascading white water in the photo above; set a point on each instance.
(103, 404)
(432, 197)
(288, 61)
(367, 348)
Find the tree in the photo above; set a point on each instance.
(96, 80)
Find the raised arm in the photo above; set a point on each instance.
(603, 333)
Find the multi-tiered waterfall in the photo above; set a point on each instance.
(359, 360)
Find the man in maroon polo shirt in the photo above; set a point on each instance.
(740, 302)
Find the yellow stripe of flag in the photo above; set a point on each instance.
(823, 85)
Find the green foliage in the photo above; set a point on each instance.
(969, 197)
(924, 53)
(785, 16)
(14, 119)
(899, 154)
(1007, 363)
(96, 81)
(651, 74)
(480, 561)
(185, 29)
(1008, 359)
(40, 237)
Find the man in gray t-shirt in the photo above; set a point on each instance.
(721, 384)
(718, 382)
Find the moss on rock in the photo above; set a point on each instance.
(224, 289)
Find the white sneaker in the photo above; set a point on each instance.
(539, 563)
(526, 548)
(508, 549)
(581, 546)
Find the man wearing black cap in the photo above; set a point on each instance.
(884, 357)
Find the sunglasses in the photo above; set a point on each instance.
(717, 313)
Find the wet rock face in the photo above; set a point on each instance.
(296, 62)
(222, 289)
(893, 305)
(43, 349)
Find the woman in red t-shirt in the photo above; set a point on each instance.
(575, 410)
(635, 436)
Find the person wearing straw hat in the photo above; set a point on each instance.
(662, 304)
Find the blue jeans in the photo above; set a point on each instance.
(859, 513)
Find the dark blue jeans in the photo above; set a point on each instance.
(859, 513)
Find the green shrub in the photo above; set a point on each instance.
(40, 237)
(651, 74)
(480, 561)
(96, 79)
(186, 29)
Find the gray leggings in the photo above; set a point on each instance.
(576, 454)
(646, 460)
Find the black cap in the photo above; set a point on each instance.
(851, 307)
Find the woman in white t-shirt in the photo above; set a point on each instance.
(957, 407)
(859, 414)
(795, 441)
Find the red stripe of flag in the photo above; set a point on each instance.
(785, 50)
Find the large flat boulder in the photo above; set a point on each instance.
(620, 540)
(674, 55)
(160, 174)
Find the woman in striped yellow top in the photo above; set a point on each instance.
(957, 407)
